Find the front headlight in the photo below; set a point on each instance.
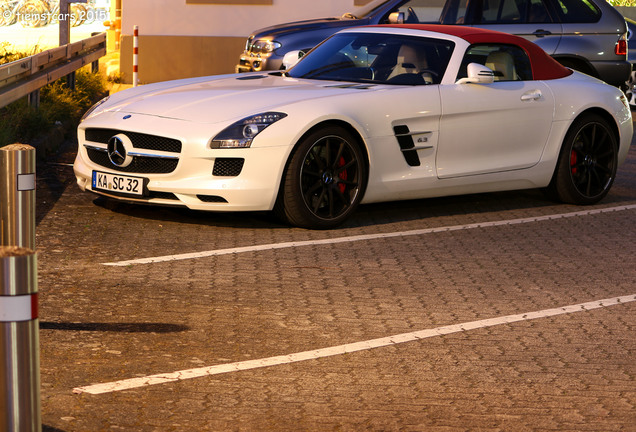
(242, 133)
(264, 46)
(93, 108)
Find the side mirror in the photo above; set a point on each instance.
(396, 18)
(478, 74)
(291, 58)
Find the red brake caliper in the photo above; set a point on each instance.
(573, 159)
(342, 175)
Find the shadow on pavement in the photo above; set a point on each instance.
(115, 327)
(53, 176)
(46, 428)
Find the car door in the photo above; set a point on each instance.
(502, 126)
(531, 19)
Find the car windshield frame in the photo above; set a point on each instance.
(377, 58)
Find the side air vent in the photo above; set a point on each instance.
(405, 139)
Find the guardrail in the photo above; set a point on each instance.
(26, 76)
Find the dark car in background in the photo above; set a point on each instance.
(586, 35)
(630, 85)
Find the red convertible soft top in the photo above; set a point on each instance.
(544, 67)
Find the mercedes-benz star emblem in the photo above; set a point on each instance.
(117, 152)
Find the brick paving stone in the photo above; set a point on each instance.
(572, 372)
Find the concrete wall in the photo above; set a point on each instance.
(187, 38)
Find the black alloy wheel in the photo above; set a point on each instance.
(588, 161)
(325, 180)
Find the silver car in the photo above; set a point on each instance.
(587, 35)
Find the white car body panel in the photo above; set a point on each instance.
(524, 112)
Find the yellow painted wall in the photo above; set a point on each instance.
(163, 58)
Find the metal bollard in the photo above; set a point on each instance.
(19, 341)
(17, 196)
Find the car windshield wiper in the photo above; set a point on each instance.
(345, 80)
(348, 15)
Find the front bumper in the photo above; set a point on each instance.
(195, 182)
(249, 62)
(255, 189)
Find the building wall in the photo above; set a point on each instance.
(187, 38)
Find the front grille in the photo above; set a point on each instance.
(228, 167)
(211, 199)
(139, 140)
(162, 195)
(140, 164)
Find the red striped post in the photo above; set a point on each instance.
(135, 56)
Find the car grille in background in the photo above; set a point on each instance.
(228, 167)
(139, 140)
(140, 164)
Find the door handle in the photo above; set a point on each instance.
(541, 33)
(531, 95)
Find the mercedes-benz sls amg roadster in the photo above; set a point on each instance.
(372, 114)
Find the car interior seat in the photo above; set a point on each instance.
(503, 65)
(411, 61)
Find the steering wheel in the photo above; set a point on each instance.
(434, 75)
(412, 15)
(373, 72)
(430, 72)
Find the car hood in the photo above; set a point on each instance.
(279, 30)
(223, 99)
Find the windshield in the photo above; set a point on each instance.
(377, 58)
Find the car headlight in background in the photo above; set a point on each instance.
(264, 46)
(93, 108)
(242, 133)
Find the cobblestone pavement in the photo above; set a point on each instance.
(574, 371)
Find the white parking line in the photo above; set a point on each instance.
(346, 348)
(356, 238)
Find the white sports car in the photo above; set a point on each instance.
(372, 114)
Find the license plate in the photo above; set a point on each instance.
(118, 183)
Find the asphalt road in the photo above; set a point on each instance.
(490, 312)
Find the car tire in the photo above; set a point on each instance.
(587, 163)
(325, 180)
